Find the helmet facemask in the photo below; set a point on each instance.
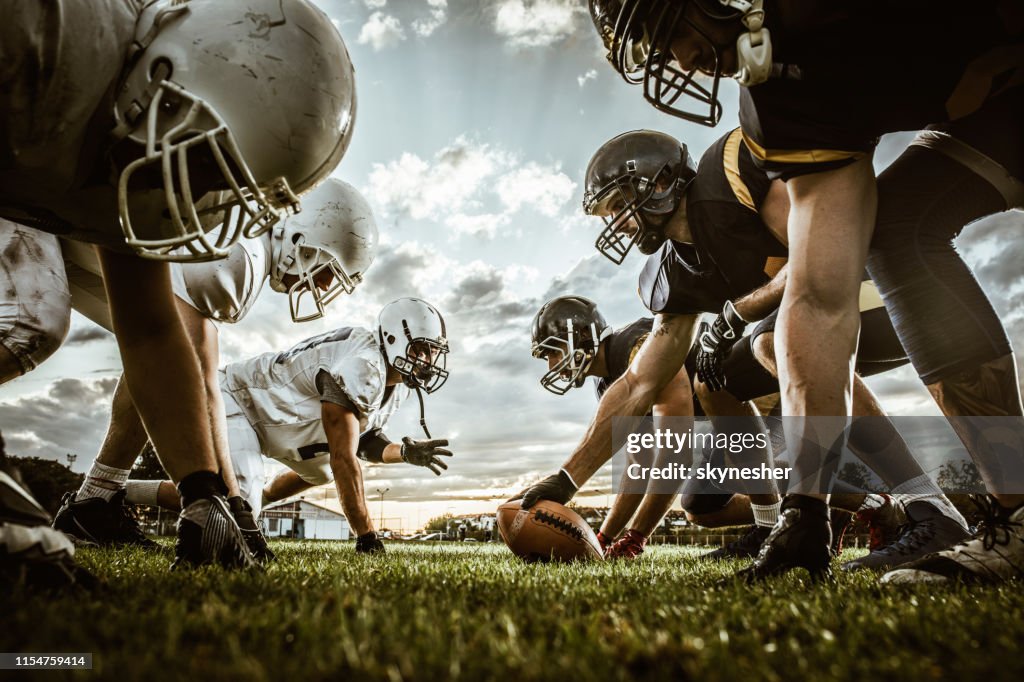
(634, 212)
(639, 47)
(423, 363)
(577, 357)
(313, 265)
(248, 211)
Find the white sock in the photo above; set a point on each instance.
(143, 492)
(924, 489)
(102, 481)
(766, 514)
(871, 501)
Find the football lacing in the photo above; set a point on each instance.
(559, 524)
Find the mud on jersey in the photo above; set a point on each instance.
(874, 67)
(60, 62)
(278, 395)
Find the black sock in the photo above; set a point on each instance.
(200, 485)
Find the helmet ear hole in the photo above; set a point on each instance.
(391, 339)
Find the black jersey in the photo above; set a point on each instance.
(733, 252)
(620, 347)
(848, 75)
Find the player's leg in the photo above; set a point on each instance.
(246, 464)
(97, 511)
(35, 304)
(948, 178)
(205, 338)
(163, 376)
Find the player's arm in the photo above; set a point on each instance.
(375, 447)
(716, 339)
(656, 364)
(342, 428)
(284, 485)
(764, 300)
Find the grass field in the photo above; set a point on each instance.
(474, 612)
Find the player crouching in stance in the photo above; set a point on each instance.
(572, 335)
(314, 257)
(321, 406)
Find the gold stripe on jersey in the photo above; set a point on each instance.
(869, 296)
(799, 156)
(772, 265)
(731, 160)
(636, 347)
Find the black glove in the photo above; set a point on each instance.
(715, 340)
(557, 488)
(425, 453)
(369, 543)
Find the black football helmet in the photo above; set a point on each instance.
(638, 35)
(636, 181)
(573, 327)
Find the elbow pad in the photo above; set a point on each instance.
(371, 446)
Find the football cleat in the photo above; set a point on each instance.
(884, 523)
(746, 547)
(840, 522)
(254, 537)
(629, 546)
(100, 522)
(209, 534)
(994, 554)
(927, 530)
(802, 538)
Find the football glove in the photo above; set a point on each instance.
(425, 453)
(558, 488)
(369, 543)
(715, 340)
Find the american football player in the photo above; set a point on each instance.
(572, 336)
(322, 405)
(715, 235)
(118, 119)
(314, 257)
(815, 96)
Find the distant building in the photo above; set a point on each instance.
(302, 519)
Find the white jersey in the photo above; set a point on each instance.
(225, 290)
(278, 395)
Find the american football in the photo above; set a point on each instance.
(548, 531)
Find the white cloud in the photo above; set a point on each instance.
(483, 225)
(381, 31)
(446, 185)
(375, 4)
(536, 23)
(438, 14)
(588, 76)
(546, 189)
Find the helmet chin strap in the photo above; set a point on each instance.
(423, 413)
(754, 47)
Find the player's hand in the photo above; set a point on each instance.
(369, 543)
(557, 488)
(425, 453)
(629, 546)
(715, 340)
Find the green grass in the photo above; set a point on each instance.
(474, 612)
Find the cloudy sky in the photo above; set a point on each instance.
(476, 120)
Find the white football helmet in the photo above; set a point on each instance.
(413, 340)
(335, 233)
(256, 98)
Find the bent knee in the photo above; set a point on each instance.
(764, 351)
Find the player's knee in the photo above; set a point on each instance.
(700, 504)
(317, 478)
(764, 351)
